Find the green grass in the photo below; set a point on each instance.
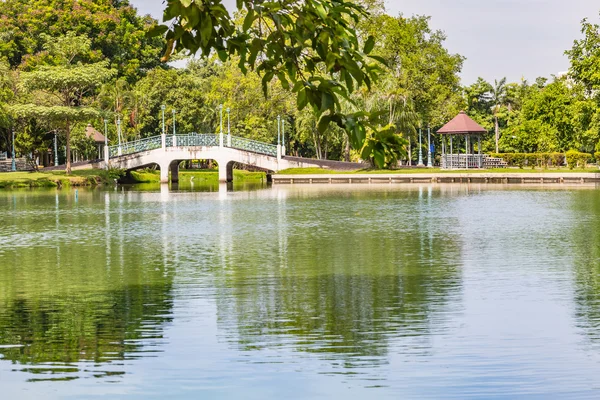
(202, 175)
(20, 179)
(316, 171)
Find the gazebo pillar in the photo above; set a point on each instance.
(467, 151)
(451, 154)
(443, 161)
(479, 150)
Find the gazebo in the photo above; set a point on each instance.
(461, 130)
(98, 138)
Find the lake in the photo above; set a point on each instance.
(324, 292)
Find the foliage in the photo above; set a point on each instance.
(585, 56)
(63, 86)
(577, 159)
(116, 33)
(384, 147)
(310, 47)
(533, 160)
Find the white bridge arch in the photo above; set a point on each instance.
(167, 151)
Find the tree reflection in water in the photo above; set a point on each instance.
(76, 297)
(321, 278)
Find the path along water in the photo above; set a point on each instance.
(416, 291)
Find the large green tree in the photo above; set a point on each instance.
(60, 90)
(114, 28)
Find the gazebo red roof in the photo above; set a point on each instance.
(462, 124)
(94, 134)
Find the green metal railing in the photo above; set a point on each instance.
(192, 140)
(253, 145)
(136, 146)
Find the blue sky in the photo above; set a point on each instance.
(511, 38)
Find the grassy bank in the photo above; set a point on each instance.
(315, 171)
(90, 177)
(199, 176)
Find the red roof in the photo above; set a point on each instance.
(462, 124)
(94, 134)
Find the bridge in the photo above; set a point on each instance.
(168, 151)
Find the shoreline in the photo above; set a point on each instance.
(446, 177)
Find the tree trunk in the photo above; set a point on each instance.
(68, 162)
(317, 141)
(497, 132)
(409, 153)
(347, 150)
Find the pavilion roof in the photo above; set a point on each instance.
(462, 124)
(94, 134)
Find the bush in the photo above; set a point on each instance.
(597, 156)
(577, 159)
(532, 160)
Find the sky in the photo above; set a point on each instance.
(499, 38)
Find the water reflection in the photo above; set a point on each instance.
(78, 296)
(586, 256)
(321, 277)
(421, 291)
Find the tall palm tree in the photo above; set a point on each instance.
(498, 99)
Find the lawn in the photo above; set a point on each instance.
(151, 176)
(316, 171)
(21, 179)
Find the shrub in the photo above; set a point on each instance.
(542, 160)
(597, 156)
(577, 159)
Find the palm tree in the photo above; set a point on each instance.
(498, 99)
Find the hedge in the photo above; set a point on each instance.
(577, 159)
(544, 160)
(532, 159)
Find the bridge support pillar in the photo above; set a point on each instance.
(164, 174)
(230, 171)
(174, 167)
(163, 141)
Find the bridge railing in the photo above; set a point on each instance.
(253, 146)
(190, 140)
(136, 146)
(195, 139)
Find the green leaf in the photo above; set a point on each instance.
(265, 82)
(327, 101)
(369, 44)
(206, 30)
(223, 56)
(284, 82)
(302, 99)
(379, 158)
(157, 30)
(323, 123)
(250, 16)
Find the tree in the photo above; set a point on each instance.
(116, 32)
(61, 89)
(585, 57)
(310, 47)
(7, 83)
(498, 97)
